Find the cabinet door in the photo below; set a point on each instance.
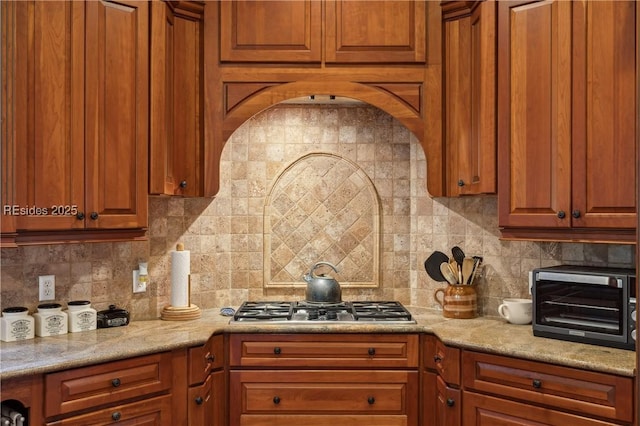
(201, 403)
(385, 31)
(534, 114)
(8, 119)
(48, 108)
(270, 31)
(176, 163)
(605, 114)
(448, 404)
(470, 95)
(117, 104)
(161, 179)
(483, 410)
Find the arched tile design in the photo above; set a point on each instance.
(322, 207)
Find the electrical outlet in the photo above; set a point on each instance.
(138, 285)
(47, 286)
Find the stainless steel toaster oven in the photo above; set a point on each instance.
(585, 304)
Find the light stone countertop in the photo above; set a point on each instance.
(47, 354)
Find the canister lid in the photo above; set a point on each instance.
(15, 310)
(79, 303)
(49, 306)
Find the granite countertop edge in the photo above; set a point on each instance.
(486, 334)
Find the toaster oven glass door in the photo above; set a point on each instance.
(593, 305)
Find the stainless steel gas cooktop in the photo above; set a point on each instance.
(342, 312)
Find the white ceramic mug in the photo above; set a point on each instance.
(516, 311)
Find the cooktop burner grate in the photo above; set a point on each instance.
(359, 311)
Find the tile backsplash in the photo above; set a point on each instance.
(226, 234)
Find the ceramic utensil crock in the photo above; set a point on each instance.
(458, 301)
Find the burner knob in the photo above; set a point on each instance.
(332, 315)
(312, 315)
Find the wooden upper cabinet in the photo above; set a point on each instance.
(270, 31)
(605, 114)
(116, 102)
(48, 113)
(79, 101)
(177, 86)
(295, 31)
(375, 31)
(534, 113)
(469, 31)
(567, 104)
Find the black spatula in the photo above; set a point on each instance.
(432, 265)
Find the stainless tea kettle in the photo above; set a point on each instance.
(321, 288)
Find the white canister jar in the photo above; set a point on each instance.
(81, 315)
(50, 320)
(16, 324)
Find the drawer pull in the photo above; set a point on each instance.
(372, 351)
(116, 416)
(199, 400)
(276, 400)
(115, 383)
(537, 383)
(437, 359)
(277, 350)
(371, 400)
(450, 402)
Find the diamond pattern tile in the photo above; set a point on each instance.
(322, 208)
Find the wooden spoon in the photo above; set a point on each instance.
(447, 273)
(467, 270)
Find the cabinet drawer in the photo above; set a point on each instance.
(154, 411)
(87, 387)
(484, 410)
(324, 392)
(323, 420)
(322, 350)
(565, 388)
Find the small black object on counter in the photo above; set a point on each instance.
(113, 317)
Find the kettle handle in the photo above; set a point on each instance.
(313, 268)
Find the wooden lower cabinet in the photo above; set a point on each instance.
(565, 389)
(485, 410)
(206, 396)
(323, 379)
(134, 391)
(25, 395)
(441, 396)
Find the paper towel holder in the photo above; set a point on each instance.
(190, 312)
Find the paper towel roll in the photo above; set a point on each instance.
(180, 270)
